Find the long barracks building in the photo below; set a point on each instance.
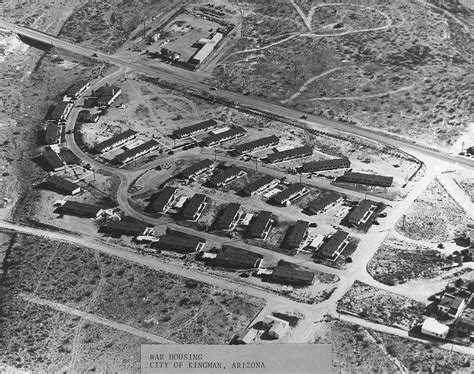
(287, 196)
(233, 133)
(138, 151)
(115, 141)
(197, 169)
(197, 128)
(227, 176)
(195, 206)
(370, 179)
(296, 234)
(314, 166)
(261, 185)
(261, 225)
(290, 154)
(257, 145)
(228, 217)
(165, 199)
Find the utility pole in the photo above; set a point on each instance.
(301, 178)
(144, 30)
(256, 164)
(215, 154)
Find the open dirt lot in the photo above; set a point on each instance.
(465, 180)
(362, 350)
(358, 62)
(397, 261)
(434, 217)
(381, 306)
(162, 304)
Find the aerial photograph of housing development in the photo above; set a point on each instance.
(249, 174)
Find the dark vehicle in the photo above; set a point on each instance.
(213, 88)
(376, 223)
(383, 215)
(304, 117)
(94, 55)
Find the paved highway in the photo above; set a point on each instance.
(311, 122)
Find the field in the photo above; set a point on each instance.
(434, 217)
(358, 62)
(381, 306)
(397, 261)
(68, 277)
(108, 25)
(362, 350)
(465, 180)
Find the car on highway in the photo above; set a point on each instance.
(213, 88)
(304, 117)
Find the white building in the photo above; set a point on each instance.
(434, 328)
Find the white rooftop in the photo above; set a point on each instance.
(430, 324)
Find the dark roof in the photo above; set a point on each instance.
(322, 201)
(125, 226)
(246, 147)
(257, 227)
(288, 270)
(52, 159)
(61, 184)
(115, 139)
(193, 205)
(231, 133)
(237, 256)
(290, 153)
(259, 183)
(286, 193)
(106, 93)
(227, 215)
(331, 246)
(75, 88)
(225, 175)
(58, 110)
(297, 233)
(163, 198)
(198, 127)
(196, 168)
(150, 144)
(367, 178)
(179, 242)
(51, 133)
(80, 208)
(69, 157)
(451, 301)
(360, 210)
(465, 323)
(326, 164)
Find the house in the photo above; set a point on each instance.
(200, 167)
(234, 257)
(464, 325)
(197, 128)
(227, 176)
(333, 248)
(208, 45)
(61, 111)
(432, 327)
(296, 234)
(75, 208)
(277, 327)
(257, 145)
(362, 212)
(325, 202)
(62, 185)
(363, 178)
(52, 160)
(138, 151)
(228, 217)
(180, 242)
(315, 166)
(194, 207)
(124, 227)
(470, 150)
(115, 141)
(261, 225)
(233, 133)
(76, 90)
(289, 154)
(52, 133)
(247, 336)
(451, 305)
(165, 199)
(288, 195)
(106, 95)
(287, 273)
(261, 185)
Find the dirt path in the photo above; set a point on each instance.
(305, 85)
(362, 97)
(466, 27)
(97, 319)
